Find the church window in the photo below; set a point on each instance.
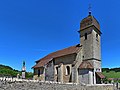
(56, 72)
(97, 69)
(83, 57)
(97, 37)
(38, 72)
(85, 36)
(67, 70)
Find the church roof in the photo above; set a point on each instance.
(70, 50)
(100, 75)
(89, 21)
(86, 65)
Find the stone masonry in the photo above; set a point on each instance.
(37, 85)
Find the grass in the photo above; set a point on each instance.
(112, 74)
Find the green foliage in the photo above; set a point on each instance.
(5, 67)
(111, 73)
(105, 69)
(105, 80)
(111, 69)
(115, 69)
(29, 75)
(8, 71)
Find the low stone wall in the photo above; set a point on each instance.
(35, 86)
(100, 87)
(38, 85)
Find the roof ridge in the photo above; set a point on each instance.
(58, 53)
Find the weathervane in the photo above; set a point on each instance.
(89, 9)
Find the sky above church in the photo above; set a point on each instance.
(31, 29)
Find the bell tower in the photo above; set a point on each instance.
(90, 36)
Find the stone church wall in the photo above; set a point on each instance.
(96, 45)
(49, 72)
(66, 61)
(83, 76)
(87, 44)
(91, 46)
(41, 76)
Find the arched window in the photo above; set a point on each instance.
(38, 72)
(67, 70)
(56, 72)
(85, 36)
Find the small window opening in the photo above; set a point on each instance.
(85, 36)
(83, 57)
(67, 70)
(38, 73)
(97, 37)
(56, 70)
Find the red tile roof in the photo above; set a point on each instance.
(63, 52)
(100, 75)
(86, 65)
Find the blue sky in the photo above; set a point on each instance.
(30, 29)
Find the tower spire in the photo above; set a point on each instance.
(23, 63)
(89, 9)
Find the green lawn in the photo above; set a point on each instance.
(112, 74)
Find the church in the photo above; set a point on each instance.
(80, 63)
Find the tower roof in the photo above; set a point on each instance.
(88, 22)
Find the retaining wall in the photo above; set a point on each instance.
(38, 85)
